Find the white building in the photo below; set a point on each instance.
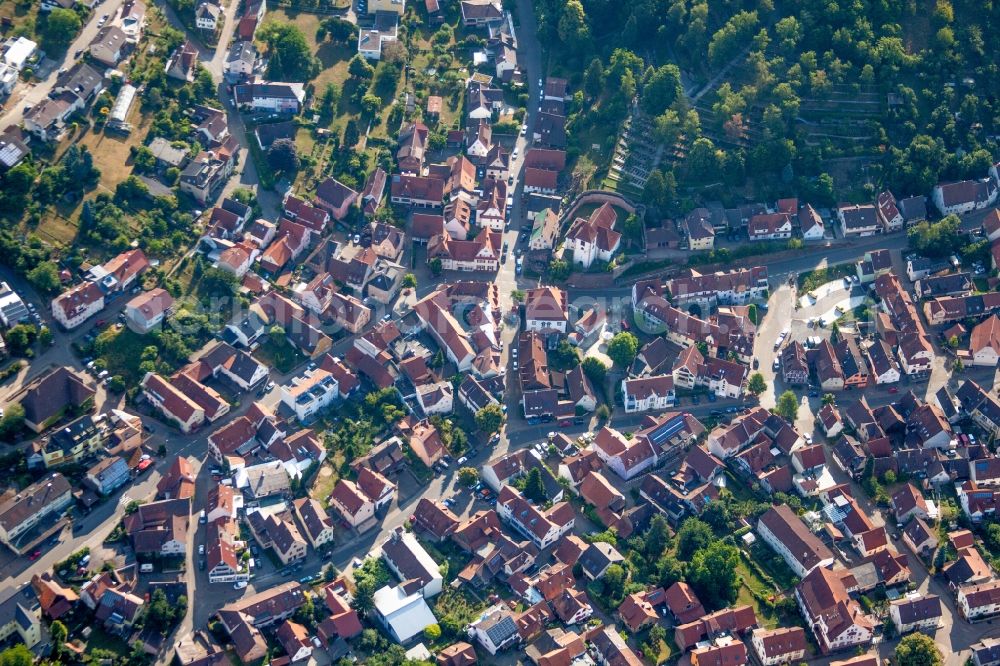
(73, 307)
(965, 196)
(310, 393)
(784, 645)
(12, 308)
(20, 513)
(647, 393)
(408, 560)
(18, 51)
(788, 536)
(626, 457)
(404, 616)
(495, 629)
(594, 238)
(916, 612)
(436, 398)
(975, 601)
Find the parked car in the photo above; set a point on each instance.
(240, 585)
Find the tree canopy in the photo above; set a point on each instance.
(60, 27)
(788, 406)
(490, 418)
(290, 56)
(918, 649)
(622, 349)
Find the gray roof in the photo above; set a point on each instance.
(242, 51)
(81, 79)
(499, 627)
(17, 605)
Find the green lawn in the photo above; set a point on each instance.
(773, 565)
(281, 356)
(123, 353)
(810, 280)
(101, 640)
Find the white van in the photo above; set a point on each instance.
(146, 568)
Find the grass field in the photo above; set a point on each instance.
(326, 478)
(283, 357)
(746, 596)
(123, 354)
(112, 152)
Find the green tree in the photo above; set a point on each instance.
(351, 134)
(432, 632)
(45, 336)
(992, 537)
(595, 370)
(614, 583)
(669, 570)
(732, 37)
(328, 103)
(694, 535)
(713, 574)
(593, 78)
(489, 419)
(364, 594)
(283, 156)
(59, 635)
(756, 385)
(828, 399)
(702, 161)
(468, 476)
(661, 88)
(573, 29)
(370, 104)
(559, 269)
(45, 276)
(632, 228)
(788, 406)
(435, 266)
(277, 335)
(359, 68)
(622, 349)
(160, 614)
(918, 650)
(291, 58)
(17, 655)
(936, 239)
(12, 421)
(534, 487)
(60, 28)
(409, 281)
(657, 537)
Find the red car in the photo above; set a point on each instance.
(99, 323)
(35, 555)
(893, 389)
(565, 423)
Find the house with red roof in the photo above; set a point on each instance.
(73, 307)
(594, 238)
(335, 197)
(186, 414)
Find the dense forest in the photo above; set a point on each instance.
(778, 95)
